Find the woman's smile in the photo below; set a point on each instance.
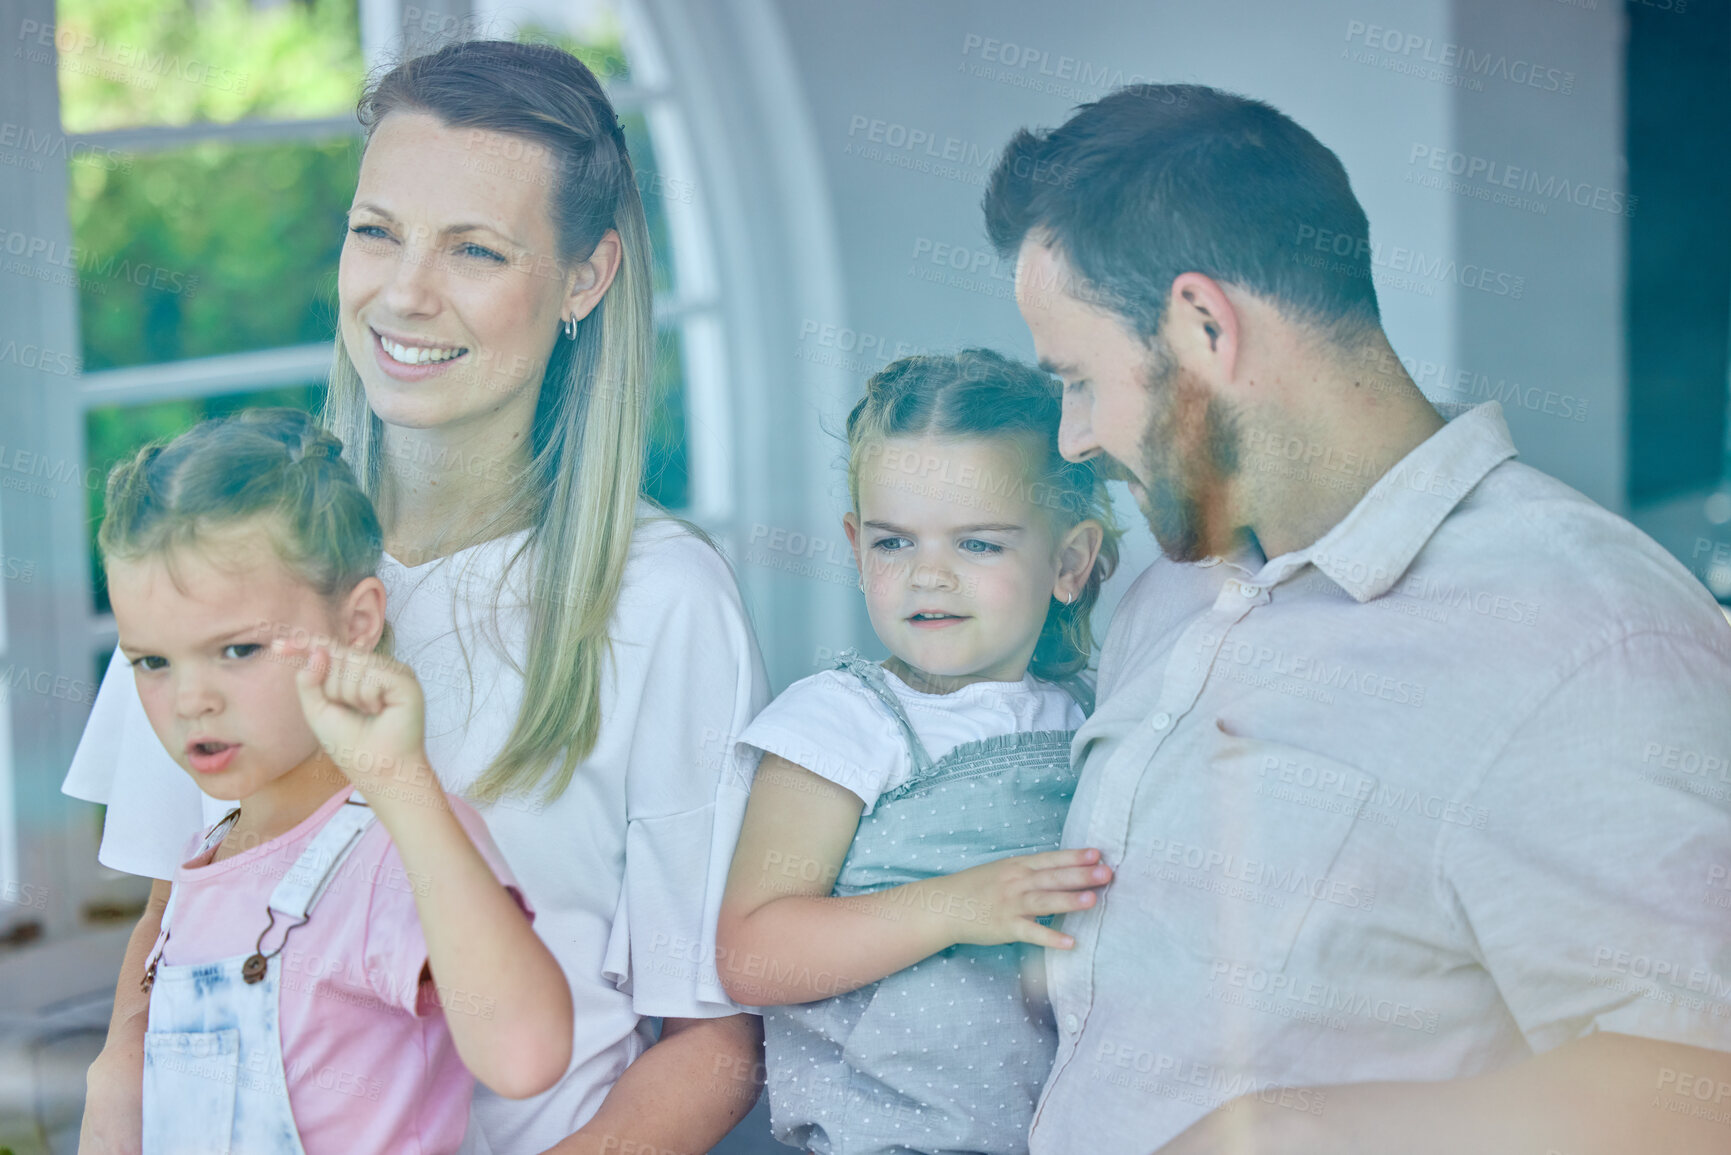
(411, 361)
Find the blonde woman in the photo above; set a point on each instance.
(586, 658)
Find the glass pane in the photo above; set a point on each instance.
(598, 45)
(667, 476)
(593, 36)
(591, 32)
(652, 189)
(163, 62)
(115, 432)
(215, 248)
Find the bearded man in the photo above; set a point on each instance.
(1413, 764)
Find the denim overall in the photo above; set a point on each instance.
(951, 1053)
(213, 1066)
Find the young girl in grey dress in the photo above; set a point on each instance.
(900, 842)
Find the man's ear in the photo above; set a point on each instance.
(1202, 326)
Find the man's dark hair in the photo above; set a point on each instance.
(1156, 180)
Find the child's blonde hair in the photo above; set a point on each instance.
(273, 464)
(980, 394)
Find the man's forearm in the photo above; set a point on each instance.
(682, 1095)
(1605, 1094)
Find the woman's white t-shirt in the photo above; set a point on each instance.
(625, 869)
(834, 726)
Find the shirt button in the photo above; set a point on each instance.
(1161, 720)
(1249, 591)
(1071, 1024)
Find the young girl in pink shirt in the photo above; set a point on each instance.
(346, 952)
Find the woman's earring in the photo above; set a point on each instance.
(571, 327)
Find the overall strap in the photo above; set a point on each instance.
(212, 837)
(1080, 691)
(161, 943)
(298, 890)
(873, 676)
(306, 881)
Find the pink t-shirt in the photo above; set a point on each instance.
(369, 1062)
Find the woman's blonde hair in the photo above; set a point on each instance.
(275, 466)
(579, 493)
(980, 394)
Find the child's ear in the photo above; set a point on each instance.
(1076, 553)
(850, 526)
(362, 616)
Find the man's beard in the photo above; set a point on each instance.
(1189, 449)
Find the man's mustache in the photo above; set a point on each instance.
(1111, 469)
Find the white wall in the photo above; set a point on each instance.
(1565, 337)
(842, 150)
(907, 104)
(950, 72)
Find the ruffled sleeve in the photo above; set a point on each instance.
(154, 807)
(832, 726)
(699, 679)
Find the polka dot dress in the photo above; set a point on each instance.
(950, 1054)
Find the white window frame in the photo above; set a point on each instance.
(66, 634)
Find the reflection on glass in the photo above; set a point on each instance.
(214, 248)
(666, 472)
(126, 63)
(114, 432)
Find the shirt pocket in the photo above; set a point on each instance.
(1238, 849)
(189, 1088)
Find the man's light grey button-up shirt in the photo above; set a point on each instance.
(1447, 788)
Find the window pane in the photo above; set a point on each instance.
(161, 62)
(591, 33)
(598, 45)
(115, 432)
(593, 36)
(667, 476)
(651, 188)
(215, 248)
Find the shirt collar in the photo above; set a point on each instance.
(1371, 547)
